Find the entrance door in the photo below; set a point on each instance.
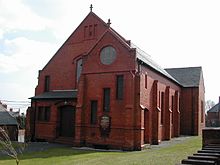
(67, 121)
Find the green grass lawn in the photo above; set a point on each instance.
(171, 154)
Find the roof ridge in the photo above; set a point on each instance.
(114, 33)
(147, 59)
(118, 34)
(215, 108)
(185, 67)
(2, 108)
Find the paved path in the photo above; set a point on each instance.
(173, 141)
(163, 144)
(36, 147)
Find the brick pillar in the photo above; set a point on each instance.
(138, 139)
(167, 114)
(128, 113)
(155, 115)
(79, 122)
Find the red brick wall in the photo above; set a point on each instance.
(95, 77)
(191, 110)
(210, 136)
(125, 60)
(212, 116)
(47, 130)
(186, 112)
(201, 107)
(213, 119)
(154, 130)
(74, 47)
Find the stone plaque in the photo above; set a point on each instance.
(105, 125)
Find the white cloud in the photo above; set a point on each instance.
(26, 54)
(1, 33)
(16, 15)
(19, 68)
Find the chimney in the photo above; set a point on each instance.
(5, 106)
(128, 42)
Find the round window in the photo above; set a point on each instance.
(108, 55)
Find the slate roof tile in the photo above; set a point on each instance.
(215, 108)
(187, 77)
(6, 118)
(61, 94)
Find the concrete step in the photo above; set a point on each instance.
(207, 154)
(199, 162)
(211, 148)
(196, 157)
(208, 151)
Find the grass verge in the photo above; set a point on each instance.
(168, 155)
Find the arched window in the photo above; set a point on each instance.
(78, 69)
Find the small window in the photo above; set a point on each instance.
(162, 108)
(159, 99)
(43, 113)
(172, 106)
(145, 81)
(202, 112)
(106, 99)
(47, 83)
(90, 30)
(85, 32)
(94, 107)
(119, 87)
(95, 29)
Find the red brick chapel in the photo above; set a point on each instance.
(100, 90)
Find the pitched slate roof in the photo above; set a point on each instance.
(59, 94)
(215, 108)
(143, 56)
(187, 77)
(6, 118)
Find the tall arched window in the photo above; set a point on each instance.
(78, 69)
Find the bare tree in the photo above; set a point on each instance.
(7, 146)
(209, 104)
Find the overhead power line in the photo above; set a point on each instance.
(15, 101)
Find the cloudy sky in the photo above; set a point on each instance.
(176, 33)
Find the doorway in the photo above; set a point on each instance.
(67, 121)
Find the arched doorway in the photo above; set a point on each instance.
(67, 121)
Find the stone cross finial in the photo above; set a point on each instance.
(91, 8)
(109, 22)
